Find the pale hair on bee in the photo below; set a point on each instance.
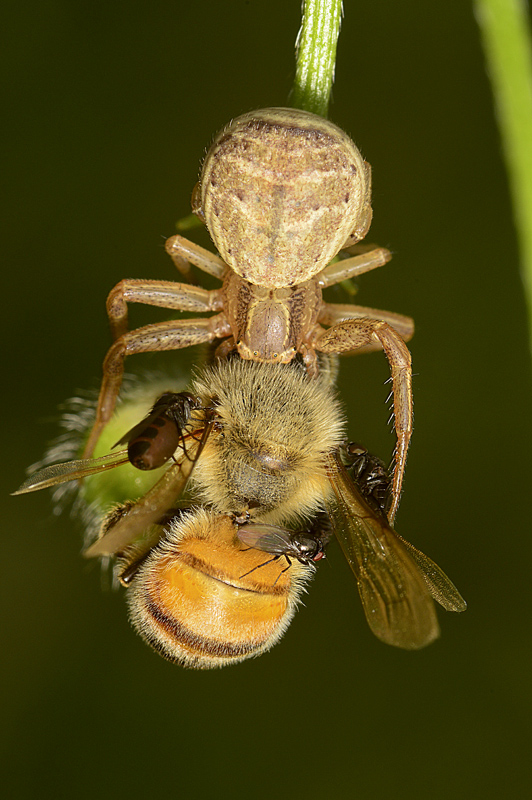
(277, 426)
(191, 600)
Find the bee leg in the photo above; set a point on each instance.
(126, 575)
(370, 475)
(133, 557)
(358, 333)
(161, 336)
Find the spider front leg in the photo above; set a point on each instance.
(161, 336)
(364, 333)
(165, 294)
(333, 313)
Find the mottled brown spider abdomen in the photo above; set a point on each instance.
(281, 190)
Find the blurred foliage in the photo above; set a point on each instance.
(505, 29)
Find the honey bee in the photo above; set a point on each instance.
(198, 601)
(281, 192)
(266, 446)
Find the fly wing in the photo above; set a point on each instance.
(269, 538)
(71, 471)
(394, 594)
(150, 508)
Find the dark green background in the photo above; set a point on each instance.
(109, 109)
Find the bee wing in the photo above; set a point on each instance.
(439, 585)
(394, 594)
(150, 508)
(71, 471)
(269, 538)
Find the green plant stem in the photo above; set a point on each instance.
(316, 55)
(504, 25)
